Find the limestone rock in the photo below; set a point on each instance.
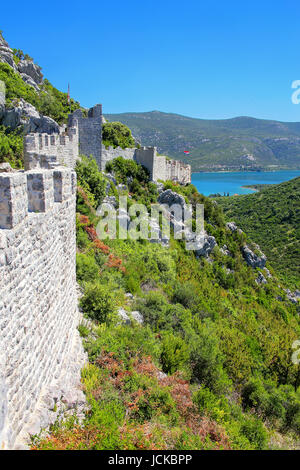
(24, 114)
(293, 297)
(205, 245)
(232, 226)
(252, 259)
(5, 168)
(225, 250)
(6, 54)
(27, 79)
(111, 178)
(260, 279)
(123, 316)
(169, 197)
(137, 316)
(30, 69)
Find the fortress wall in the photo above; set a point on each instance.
(47, 151)
(176, 170)
(90, 132)
(110, 153)
(38, 301)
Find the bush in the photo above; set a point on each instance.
(91, 178)
(86, 268)
(97, 302)
(207, 360)
(123, 169)
(117, 134)
(186, 295)
(175, 353)
(254, 430)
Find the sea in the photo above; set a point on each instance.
(233, 182)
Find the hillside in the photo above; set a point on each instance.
(239, 143)
(185, 352)
(31, 103)
(271, 218)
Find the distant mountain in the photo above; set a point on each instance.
(237, 144)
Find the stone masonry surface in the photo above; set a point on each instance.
(40, 349)
(159, 166)
(84, 136)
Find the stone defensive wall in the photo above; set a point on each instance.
(39, 342)
(159, 166)
(89, 131)
(47, 151)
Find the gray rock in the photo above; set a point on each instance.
(29, 81)
(111, 178)
(232, 226)
(202, 246)
(5, 168)
(30, 69)
(268, 274)
(169, 197)
(128, 295)
(24, 114)
(123, 316)
(260, 279)
(138, 317)
(225, 250)
(6, 54)
(160, 186)
(253, 260)
(111, 200)
(293, 297)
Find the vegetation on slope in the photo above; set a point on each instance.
(117, 134)
(271, 218)
(226, 143)
(209, 368)
(49, 102)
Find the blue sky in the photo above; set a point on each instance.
(209, 60)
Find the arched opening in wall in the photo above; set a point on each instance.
(57, 185)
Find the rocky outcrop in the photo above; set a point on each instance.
(29, 70)
(127, 317)
(203, 245)
(24, 114)
(232, 226)
(252, 259)
(260, 279)
(6, 54)
(169, 197)
(293, 297)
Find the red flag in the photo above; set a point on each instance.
(186, 152)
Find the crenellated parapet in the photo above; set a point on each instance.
(50, 150)
(22, 193)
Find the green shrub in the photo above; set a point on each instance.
(86, 267)
(254, 430)
(175, 353)
(91, 178)
(117, 134)
(97, 302)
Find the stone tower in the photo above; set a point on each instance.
(89, 131)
